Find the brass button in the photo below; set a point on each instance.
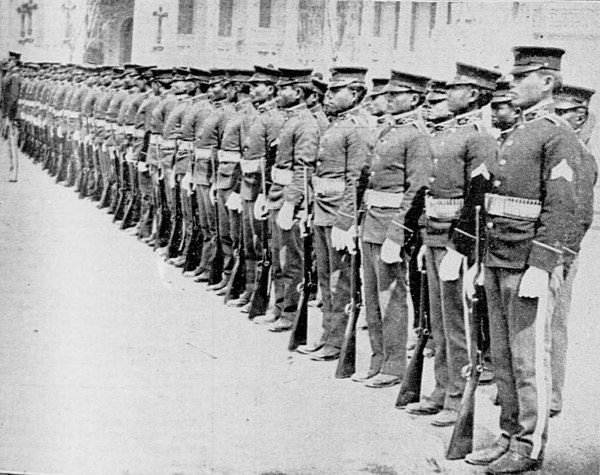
(509, 143)
(489, 225)
(502, 162)
(435, 160)
(372, 173)
(497, 183)
(431, 179)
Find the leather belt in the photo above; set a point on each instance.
(251, 166)
(169, 143)
(445, 209)
(203, 153)
(186, 145)
(226, 156)
(282, 176)
(383, 199)
(139, 133)
(329, 186)
(155, 139)
(513, 207)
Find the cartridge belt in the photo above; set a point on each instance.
(282, 176)
(328, 186)
(227, 156)
(251, 166)
(513, 207)
(383, 199)
(444, 209)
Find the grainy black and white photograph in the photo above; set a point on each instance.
(299, 237)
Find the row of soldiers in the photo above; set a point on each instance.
(225, 171)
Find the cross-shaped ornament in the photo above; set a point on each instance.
(160, 16)
(26, 12)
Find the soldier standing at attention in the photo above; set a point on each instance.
(258, 159)
(531, 204)
(376, 104)
(399, 165)
(342, 155)
(208, 139)
(461, 149)
(296, 155)
(11, 87)
(572, 104)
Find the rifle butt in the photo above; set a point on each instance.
(216, 269)
(347, 363)
(461, 442)
(299, 332)
(410, 389)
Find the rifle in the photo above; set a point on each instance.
(410, 389)
(461, 442)
(347, 363)
(262, 294)
(130, 207)
(194, 248)
(307, 286)
(216, 269)
(237, 282)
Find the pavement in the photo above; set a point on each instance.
(112, 363)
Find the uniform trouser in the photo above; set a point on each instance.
(188, 216)
(286, 248)
(229, 228)
(520, 341)
(333, 275)
(167, 158)
(207, 226)
(252, 232)
(146, 202)
(386, 311)
(13, 150)
(447, 316)
(104, 166)
(558, 355)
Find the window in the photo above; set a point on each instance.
(449, 20)
(432, 15)
(185, 25)
(264, 14)
(413, 27)
(225, 17)
(377, 7)
(311, 22)
(396, 24)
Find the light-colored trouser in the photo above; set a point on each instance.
(558, 353)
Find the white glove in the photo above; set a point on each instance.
(338, 239)
(142, 166)
(186, 181)
(421, 257)
(450, 265)
(349, 236)
(534, 283)
(129, 155)
(469, 281)
(234, 202)
(212, 194)
(171, 178)
(260, 208)
(390, 252)
(285, 218)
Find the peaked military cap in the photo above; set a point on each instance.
(200, 75)
(406, 82)
(467, 74)
(342, 76)
(218, 75)
(241, 75)
(265, 74)
(14, 55)
(437, 90)
(378, 86)
(162, 74)
(291, 76)
(573, 97)
(180, 73)
(502, 93)
(319, 85)
(532, 58)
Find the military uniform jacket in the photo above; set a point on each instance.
(460, 146)
(195, 115)
(229, 173)
(400, 162)
(296, 155)
(320, 117)
(209, 137)
(586, 176)
(535, 164)
(174, 121)
(143, 116)
(342, 156)
(261, 145)
(161, 112)
(133, 104)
